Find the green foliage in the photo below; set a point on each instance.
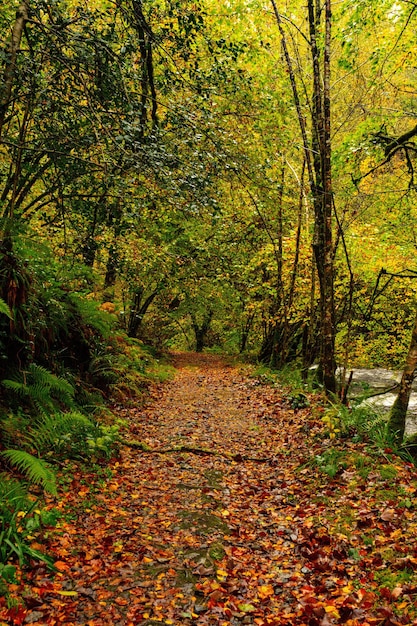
(298, 401)
(12, 491)
(8, 575)
(5, 309)
(160, 372)
(36, 470)
(408, 448)
(104, 442)
(73, 435)
(331, 462)
(265, 375)
(60, 436)
(134, 365)
(391, 577)
(365, 422)
(18, 517)
(361, 422)
(90, 314)
(41, 388)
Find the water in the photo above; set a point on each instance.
(378, 383)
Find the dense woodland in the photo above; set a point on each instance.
(239, 177)
(234, 177)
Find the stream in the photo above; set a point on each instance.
(380, 381)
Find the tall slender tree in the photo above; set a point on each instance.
(318, 152)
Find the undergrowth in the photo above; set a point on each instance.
(63, 363)
(358, 423)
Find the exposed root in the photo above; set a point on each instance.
(140, 445)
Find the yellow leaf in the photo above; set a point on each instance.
(401, 605)
(67, 593)
(333, 610)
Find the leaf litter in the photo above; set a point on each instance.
(232, 522)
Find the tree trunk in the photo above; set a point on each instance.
(10, 69)
(138, 311)
(323, 195)
(201, 330)
(319, 173)
(396, 423)
(111, 266)
(244, 334)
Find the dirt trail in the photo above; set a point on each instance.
(192, 539)
(208, 405)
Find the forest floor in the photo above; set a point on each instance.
(258, 518)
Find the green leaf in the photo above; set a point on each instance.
(5, 309)
(35, 469)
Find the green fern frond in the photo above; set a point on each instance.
(41, 387)
(74, 420)
(35, 469)
(49, 428)
(58, 385)
(63, 434)
(5, 309)
(17, 386)
(91, 315)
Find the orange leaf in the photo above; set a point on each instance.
(61, 566)
(265, 591)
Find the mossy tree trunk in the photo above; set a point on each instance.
(201, 330)
(318, 152)
(396, 423)
(11, 61)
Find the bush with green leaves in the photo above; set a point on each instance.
(19, 517)
(360, 422)
(331, 461)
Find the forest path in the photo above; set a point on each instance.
(188, 538)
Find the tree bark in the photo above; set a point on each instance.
(11, 61)
(323, 195)
(396, 422)
(318, 162)
(201, 330)
(138, 310)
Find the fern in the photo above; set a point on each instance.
(41, 387)
(91, 315)
(64, 434)
(17, 515)
(35, 469)
(5, 309)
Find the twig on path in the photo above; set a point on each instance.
(140, 445)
